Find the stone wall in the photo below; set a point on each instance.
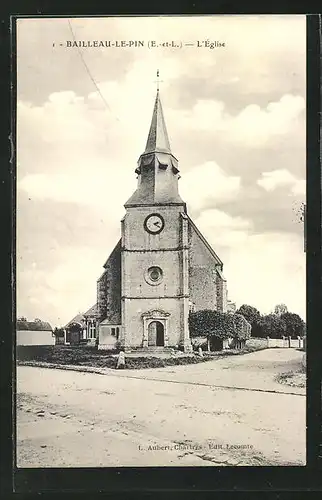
(295, 343)
(109, 288)
(221, 292)
(133, 310)
(202, 288)
(101, 297)
(136, 265)
(142, 250)
(135, 237)
(202, 273)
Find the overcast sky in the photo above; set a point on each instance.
(236, 122)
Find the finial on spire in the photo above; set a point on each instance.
(158, 81)
(158, 140)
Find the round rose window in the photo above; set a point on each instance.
(154, 275)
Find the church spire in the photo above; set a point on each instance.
(157, 170)
(158, 139)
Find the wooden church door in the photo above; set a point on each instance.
(160, 334)
(156, 334)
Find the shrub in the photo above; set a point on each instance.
(252, 315)
(211, 323)
(242, 330)
(200, 322)
(219, 326)
(59, 332)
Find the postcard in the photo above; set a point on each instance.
(161, 188)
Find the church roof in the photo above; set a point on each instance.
(158, 139)
(205, 242)
(79, 318)
(219, 271)
(92, 311)
(117, 248)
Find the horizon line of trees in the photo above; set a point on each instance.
(246, 322)
(278, 324)
(36, 320)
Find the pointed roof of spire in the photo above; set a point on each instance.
(158, 140)
(157, 167)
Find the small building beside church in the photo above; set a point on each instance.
(82, 328)
(162, 266)
(35, 332)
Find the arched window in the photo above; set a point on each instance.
(92, 330)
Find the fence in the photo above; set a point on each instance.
(257, 343)
(297, 343)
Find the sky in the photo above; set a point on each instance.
(235, 116)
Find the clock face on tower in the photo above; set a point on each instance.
(154, 223)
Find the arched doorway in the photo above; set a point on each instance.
(74, 333)
(156, 333)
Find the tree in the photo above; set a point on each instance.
(211, 323)
(59, 332)
(295, 325)
(280, 309)
(218, 325)
(242, 331)
(242, 328)
(272, 325)
(250, 313)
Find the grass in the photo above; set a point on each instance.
(293, 378)
(91, 356)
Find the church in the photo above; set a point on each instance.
(162, 267)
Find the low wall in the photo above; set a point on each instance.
(256, 342)
(295, 343)
(29, 337)
(270, 343)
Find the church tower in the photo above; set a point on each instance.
(162, 266)
(154, 250)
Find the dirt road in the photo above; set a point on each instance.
(226, 412)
